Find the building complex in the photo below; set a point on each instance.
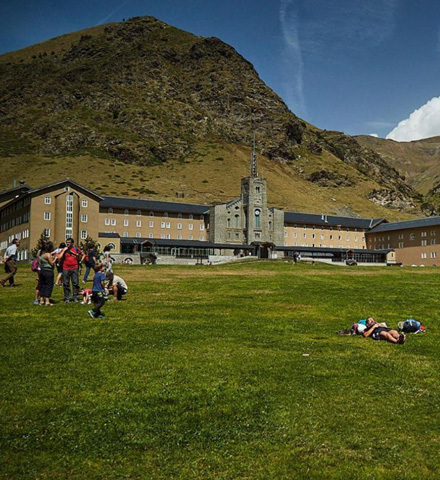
(245, 225)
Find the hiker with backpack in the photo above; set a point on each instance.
(380, 331)
(71, 257)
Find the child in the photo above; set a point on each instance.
(87, 295)
(98, 292)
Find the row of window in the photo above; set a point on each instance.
(424, 255)
(411, 236)
(151, 214)
(112, 222)
(295, 235)
(48, 201)
(323, 245)
(15, 206)
(166, 236)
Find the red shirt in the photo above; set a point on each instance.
(71, 262)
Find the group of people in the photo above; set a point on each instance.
(68, 259)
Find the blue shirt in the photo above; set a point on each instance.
(97, 279)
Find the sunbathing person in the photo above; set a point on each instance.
(380, 331)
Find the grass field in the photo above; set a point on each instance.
(226, 372)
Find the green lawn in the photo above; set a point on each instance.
(225, 372)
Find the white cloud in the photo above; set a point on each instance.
(375, 135)
(422, 123)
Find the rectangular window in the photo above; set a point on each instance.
(202, 226)
(47, 232)
(138, 223)
(150, 235)
(107, 221)
(162, 236)
(179, 226)
(125, 234)
(423, 234)
(84, 203)
(424, 243)
(433, 233)
(113, 221)
(46, 215)
(168, 225)
(168, 236)
(179, 237)
(400, 244)
(151, 224)
(190, 237)
(202, 238)
(125, 223)
(138, 234)
(433, 254)
(190, 227)
(423, 255)
(83, 234)
(47, 200)
(432, 241)
(84, 218)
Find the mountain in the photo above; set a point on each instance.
(142, 108)
(418, 161)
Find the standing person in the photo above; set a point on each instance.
(59, 263)
(47, 264)
(71, 257)
(98, 292)
(90, 261)
(107, 260)
(117, 286)
(10, 261)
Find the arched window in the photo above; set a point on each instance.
(125, 212)
(110, 210)
(257, 218)
(179, 215)
(151, 214)
(228, 223)
(138, 213)
(165, 214)
(191, 216)
(237, 221)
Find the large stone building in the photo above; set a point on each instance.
(246, 225)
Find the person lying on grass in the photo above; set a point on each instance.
(380, 331)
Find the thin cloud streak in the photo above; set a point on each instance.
(116, 10)
(292, 58)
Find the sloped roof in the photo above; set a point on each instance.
(330, 220)
(153, 205)
(419, 223)
(64, 181)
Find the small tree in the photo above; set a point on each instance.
(89, 242)
(43, 239)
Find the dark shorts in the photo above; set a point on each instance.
(376, 334)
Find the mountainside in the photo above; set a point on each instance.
(418, 161)
(142, 108)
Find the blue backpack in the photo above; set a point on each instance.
(410, 326)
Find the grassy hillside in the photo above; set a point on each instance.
(418, 161)
(223, 373)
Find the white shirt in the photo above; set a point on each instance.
(120, 282)
(11, 250)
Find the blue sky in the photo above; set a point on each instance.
(358, 66)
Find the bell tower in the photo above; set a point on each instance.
(254, 201)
